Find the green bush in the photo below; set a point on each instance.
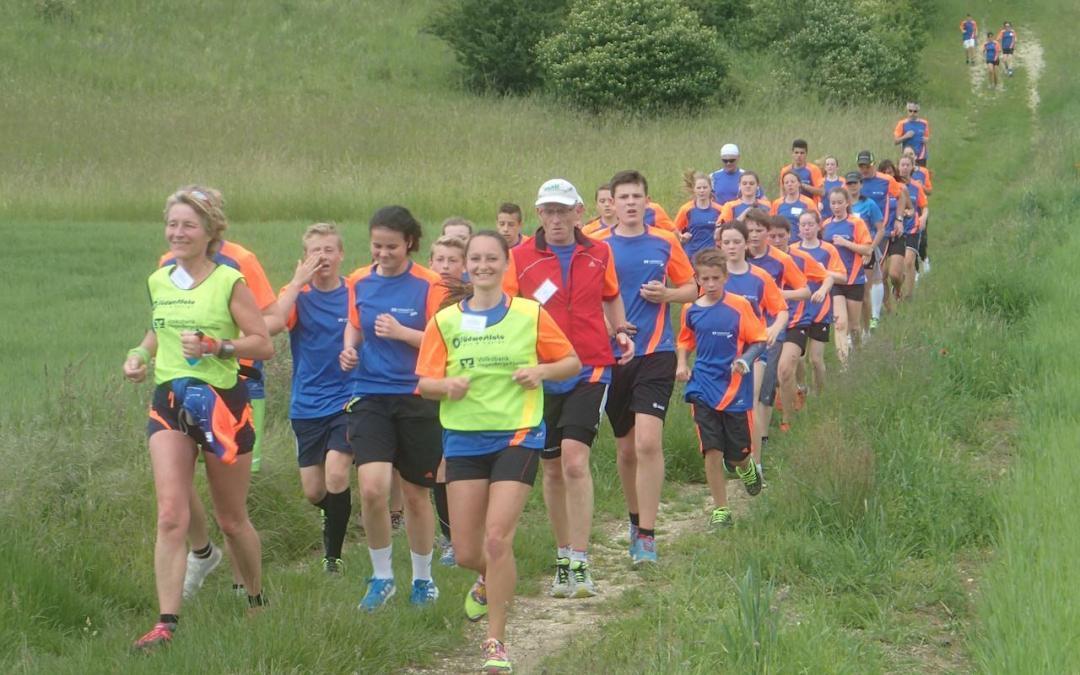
(495, 40)
(729, 18)
(635, 56)
(848, 55)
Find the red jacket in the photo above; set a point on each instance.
(577, 308)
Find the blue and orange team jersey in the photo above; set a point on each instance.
(853, 229)
(731, 210)
(757, 287)
(918, 199)
(991, 50)
(879, 187)
(829, 185)
(316, 327)
(389, 366)
(656, 216)
(1007, 38)
(790, 211)
(828, 258)
(551, 345)
(809, 174)
(720, 333)
(593, 226)
(815, 274)
(921, 128)
(780, 267)
(654, 255)
(969, 29)
(925, 177)
(725, 185)
(700, 223)
(866, 209)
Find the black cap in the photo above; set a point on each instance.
(865, 157)
(853, 177)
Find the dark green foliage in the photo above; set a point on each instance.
(633, 56)
(729, 18)
(495, 40)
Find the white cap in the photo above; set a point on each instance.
(558, 191)
(729, 150)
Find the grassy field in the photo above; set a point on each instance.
(885, 500)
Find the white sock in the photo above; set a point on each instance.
(380, 562)
(582, 556)
(421, 566)
(877, 299)
(564, 552)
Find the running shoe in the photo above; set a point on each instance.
(750, 477)
(785, 427)
(646, 551)
(397, 520)
(874, 321)
(446, 556)
(925, 266)
(495, 658)
(721, 518)
(198, 569)
(560, 586)
(239, 590)
(800, 398)
(633, 538)
(334, 567)
(581, 583)
(378, 592)
(159, 636)
(476, 601)
(424, 592)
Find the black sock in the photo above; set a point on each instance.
(764, 440)
(338, 509)
(256, 600)
(237, 587)
(442, 507)
(171, 619)
(634, 519)
(642, 532)
(203, 552)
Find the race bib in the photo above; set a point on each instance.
(473, 323)
(545, 291)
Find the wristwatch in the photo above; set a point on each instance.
(228, 350)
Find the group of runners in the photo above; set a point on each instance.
(463, 379)
(997, 50)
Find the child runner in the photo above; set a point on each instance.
(456, 226)
(760, 290)
(605, 212)
(573, 277)
(485, 357)
(749, 197)
(914, 221)
(509, 221)
(852, 240)
(969, 31)
(390, 426)
(833, 179)
(314, 308)
(992, 55)
(880, 229)
(1007, 39)
(448, 259)
(204, 318)
(791, 203)
(697, 218)
(792, 284)
(810, 179)
(819, 307)
(726, 335)
(646, 258)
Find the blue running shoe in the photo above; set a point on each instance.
(645, 552)
(633, 539)
(378, 592)
(424, 592)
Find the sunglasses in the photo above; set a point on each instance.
(913, 111)
(729, 161)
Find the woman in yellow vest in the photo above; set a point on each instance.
(204, 319)
(485, 356)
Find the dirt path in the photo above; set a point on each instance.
(1029, 56)
(541, 625)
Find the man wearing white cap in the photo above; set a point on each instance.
(725, 181)
(573, 277)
